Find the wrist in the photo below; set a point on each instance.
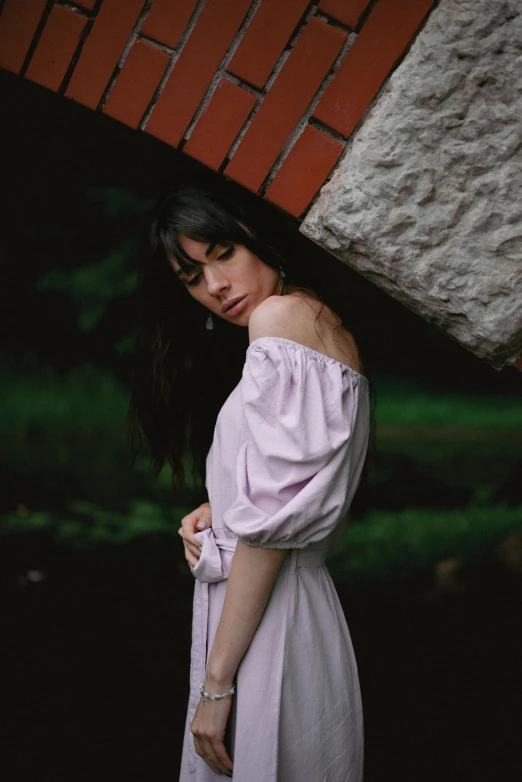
(218, 682)
(217, 696)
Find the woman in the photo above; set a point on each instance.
(269, 636)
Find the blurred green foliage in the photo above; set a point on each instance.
(85, 397)
(395, 546)
(389, 547)
(85, 524)
(91, 396)
(94, 286)
(414, 406)
(69, 296)
(117, 201)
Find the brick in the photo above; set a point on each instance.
(18, 23)
(167, 21)
(88, 4)
(306, 167)
(219, 124)
(265, 39)
(197, 63)
(58, 42)
(285, 103)
(347, 12)
(136, 83)
(102, 50)
(378, 46)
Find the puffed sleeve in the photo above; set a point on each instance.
(307, 426)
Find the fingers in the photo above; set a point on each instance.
(222, 757)
(187, 533)
(204, 516)
(208, 729)
(193, 522)
(193, 547)
(209, 755)
(191, 559)
(191, 552)
(214, 754)
(199, 519)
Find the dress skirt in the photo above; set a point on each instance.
(296, 715)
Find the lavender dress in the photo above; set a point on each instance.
(288, 450)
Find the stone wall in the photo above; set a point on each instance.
(427, 201)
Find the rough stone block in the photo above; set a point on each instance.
(427, 201)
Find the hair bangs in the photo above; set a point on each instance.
(200, 219)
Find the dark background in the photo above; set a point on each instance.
(96, 594)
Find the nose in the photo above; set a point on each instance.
(216, 280)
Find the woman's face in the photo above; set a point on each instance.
(227, 273)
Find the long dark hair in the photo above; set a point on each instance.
(182, 371)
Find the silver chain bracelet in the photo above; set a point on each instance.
(206, 695)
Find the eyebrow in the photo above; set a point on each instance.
(180, 273)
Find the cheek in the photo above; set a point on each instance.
(268, 275)
(259, 270)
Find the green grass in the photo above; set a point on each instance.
(408, 406)
(92, 397)
(384, 548)
(395, 546)
(88, 525)
(87, 397)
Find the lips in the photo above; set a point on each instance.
(228, 304)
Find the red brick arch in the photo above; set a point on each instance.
(267, 92)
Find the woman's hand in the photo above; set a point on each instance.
(199, 519)
(208, 729)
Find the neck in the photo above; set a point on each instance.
(281, 288)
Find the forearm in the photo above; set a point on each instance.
(252, 576)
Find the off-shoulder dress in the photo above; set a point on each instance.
(286, 459)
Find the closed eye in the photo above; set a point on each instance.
(226, 254)
(197, 277)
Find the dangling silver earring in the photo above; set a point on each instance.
(282, 272)
(210, 323)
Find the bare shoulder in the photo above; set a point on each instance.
(290, 317)
(307, 321)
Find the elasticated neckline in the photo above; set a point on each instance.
(314, 353)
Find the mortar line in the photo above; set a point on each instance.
(170, 67)
(76, 8)
(156, 44)
(126, 49)
(36, 37)
(373, 101)
(307, 115)
(301, 24)
(207, 97)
